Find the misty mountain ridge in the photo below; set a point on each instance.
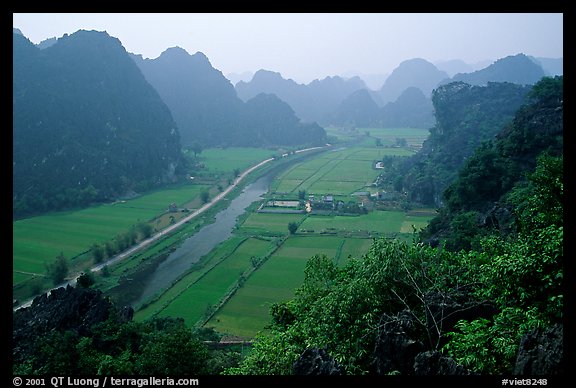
(416, 72)
(412, 109)
(551, 66)
(83, 103)
(92, 122)
(208, 111)
(455, 66)
(517, 69)
(372, 81)
(202, 101)
(245, 76)
(86, 125)
(313, 102)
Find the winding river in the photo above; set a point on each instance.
(204, 240)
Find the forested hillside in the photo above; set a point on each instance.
(86, 125)
(480, 200)
(414, 309)
(466, 116)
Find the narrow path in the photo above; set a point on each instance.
(170, 228)
(30, 273)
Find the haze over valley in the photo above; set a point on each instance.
(245, 201)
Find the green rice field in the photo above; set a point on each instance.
(266, 223)
(195, 294)
(233, 287)
(337, 172)
(39, 240)
(248, 311)
(227, 160)
(414, 136)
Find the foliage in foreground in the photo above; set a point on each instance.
(339, 308)
(161, 347)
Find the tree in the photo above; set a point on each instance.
(85, 280)
(145, 229)
(340, 308)
(109, 248)
(196, 148)
(292, 227)
(58, 270)
(105, 271)
(401, 142)
(172, 349)
(97, 253)
(204, 196)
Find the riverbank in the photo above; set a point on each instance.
(149, 242)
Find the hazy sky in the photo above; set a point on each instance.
(307, 46)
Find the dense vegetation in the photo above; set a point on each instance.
(465, 117)
(341, 309)
(96, 346)
(516, 278)
(480, 200)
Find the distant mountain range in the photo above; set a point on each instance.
(207, 110)
(92, 121)
(404, 98)
(311, 102)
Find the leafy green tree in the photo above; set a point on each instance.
(339, 308)
(172, 351)
(401, 142)
(196, 148)
(522, 276)
(145, 229)
(97, 253)
(85, 280)
(109, 248)
(105, 271)
(58, 270)
(204, 196)
(292, 227)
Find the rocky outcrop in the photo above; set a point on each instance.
(433, 363)
(62, 309)
(396, 348)
(445, 310)
(541, 352)
(316, 362)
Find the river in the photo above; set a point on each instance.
(201, 243)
